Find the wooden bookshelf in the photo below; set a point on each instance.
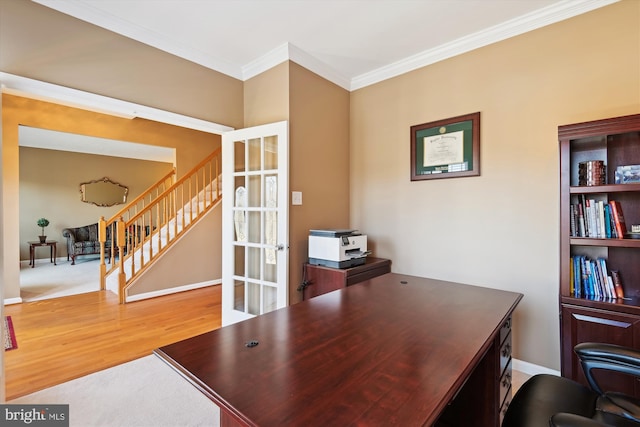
(615, 141)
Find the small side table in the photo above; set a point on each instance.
(34, 245)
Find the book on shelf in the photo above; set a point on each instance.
(590, 279)
(581, 223)
(593, 232)
(618, 218)
(572, 221)
(597, 219)
(572, 286)
(617, 283)
(607, 221)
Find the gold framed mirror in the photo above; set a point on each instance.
(103, 192)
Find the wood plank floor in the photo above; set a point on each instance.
(65, 338)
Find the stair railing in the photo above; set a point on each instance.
(107, 229)
(137, 235)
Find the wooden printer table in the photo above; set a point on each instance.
(395, 350)
(321, 280)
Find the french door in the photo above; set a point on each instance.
(255, 221)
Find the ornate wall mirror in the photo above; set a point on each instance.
(103, 192)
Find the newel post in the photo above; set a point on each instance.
(102, 238)
(122, 281)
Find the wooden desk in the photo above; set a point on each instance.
(321, 280)
(393, 350)
(52, 252)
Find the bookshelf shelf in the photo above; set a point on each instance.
(628, 305)
(584, 316)
(600, 189)
(617, 243)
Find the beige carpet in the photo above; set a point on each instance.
(143, 393)
(47, 280)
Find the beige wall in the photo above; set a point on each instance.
(500, 229)
(318, 114)
(191, 146)
(319, 163)
(266, 97)
(196, 259)
(49, 187)
(43, 44)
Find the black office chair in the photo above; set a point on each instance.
(549, 400)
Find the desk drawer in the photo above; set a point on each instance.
(505, 406)
(505, 353)
(372, 271)
(505, 385)
(504, 331)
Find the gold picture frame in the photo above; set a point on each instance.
(103, 192)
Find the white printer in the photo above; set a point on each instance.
(337, 248)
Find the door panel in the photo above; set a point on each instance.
(255, 221)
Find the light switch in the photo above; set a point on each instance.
(296, 197)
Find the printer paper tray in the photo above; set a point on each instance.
(348, 263)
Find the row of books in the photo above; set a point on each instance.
(590, 279)
(597, 219)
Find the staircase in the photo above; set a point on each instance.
(134, 238)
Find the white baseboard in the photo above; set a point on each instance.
(10, 301)
(169, 291)
(531, 369)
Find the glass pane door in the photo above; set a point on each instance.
(255, 223)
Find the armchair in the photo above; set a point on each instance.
(84, 241)
(549, 400)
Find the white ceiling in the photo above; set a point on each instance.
(353, 43)
(54, 140)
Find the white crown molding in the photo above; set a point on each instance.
(538, 19)
(267, 61)
(92, 15)
(22, 86)
(286, 52)
(313, 64)
(532, 21)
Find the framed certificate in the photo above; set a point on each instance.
(446, 148)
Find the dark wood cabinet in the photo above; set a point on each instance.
(320, 280)
(584, 316)
(582, 324)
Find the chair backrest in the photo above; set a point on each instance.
(86, 233)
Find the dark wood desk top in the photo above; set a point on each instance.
(393, 350)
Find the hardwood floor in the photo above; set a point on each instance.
(65, 338)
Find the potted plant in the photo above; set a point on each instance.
(42, 223)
